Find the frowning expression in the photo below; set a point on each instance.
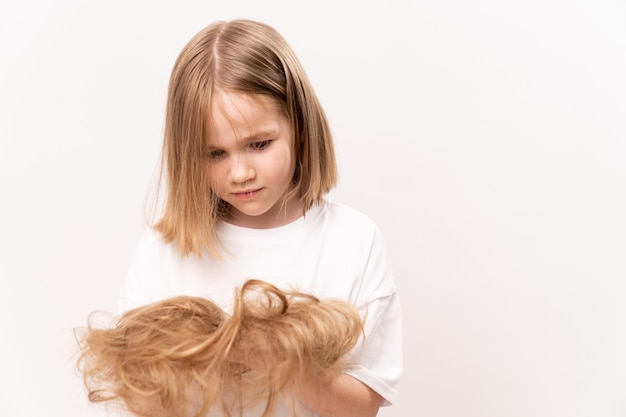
(251, 160)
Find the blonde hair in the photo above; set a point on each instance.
(175, 357)
(248, 57)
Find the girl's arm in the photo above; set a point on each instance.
(339, 396)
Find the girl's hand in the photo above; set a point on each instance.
(339, 396)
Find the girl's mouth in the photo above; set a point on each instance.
(247, 194)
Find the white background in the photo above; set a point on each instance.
(487, 139)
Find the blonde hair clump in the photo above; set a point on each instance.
(184, 355)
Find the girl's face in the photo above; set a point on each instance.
(251, 161)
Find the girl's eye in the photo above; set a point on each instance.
(258, 146)
(217, 154)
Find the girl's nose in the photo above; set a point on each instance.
(241, 171)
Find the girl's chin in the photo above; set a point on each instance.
(275, 216)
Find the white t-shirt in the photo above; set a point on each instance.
(332, 252)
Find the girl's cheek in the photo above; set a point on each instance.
(213, 174)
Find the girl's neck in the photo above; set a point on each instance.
(280, 215)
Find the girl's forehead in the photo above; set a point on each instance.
(239, 115)
(225, 100)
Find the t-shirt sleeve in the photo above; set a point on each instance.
(377, 362)
(142, 283)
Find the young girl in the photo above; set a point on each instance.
(248, 159)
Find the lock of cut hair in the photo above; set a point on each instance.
(184, 356)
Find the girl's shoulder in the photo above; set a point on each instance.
(152, 240)
(346, 217)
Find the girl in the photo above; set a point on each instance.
(248, 159)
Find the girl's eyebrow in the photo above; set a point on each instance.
(261, 134)
(253, 137)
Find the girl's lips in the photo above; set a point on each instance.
(247, 195)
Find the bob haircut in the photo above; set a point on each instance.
(253, 58)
